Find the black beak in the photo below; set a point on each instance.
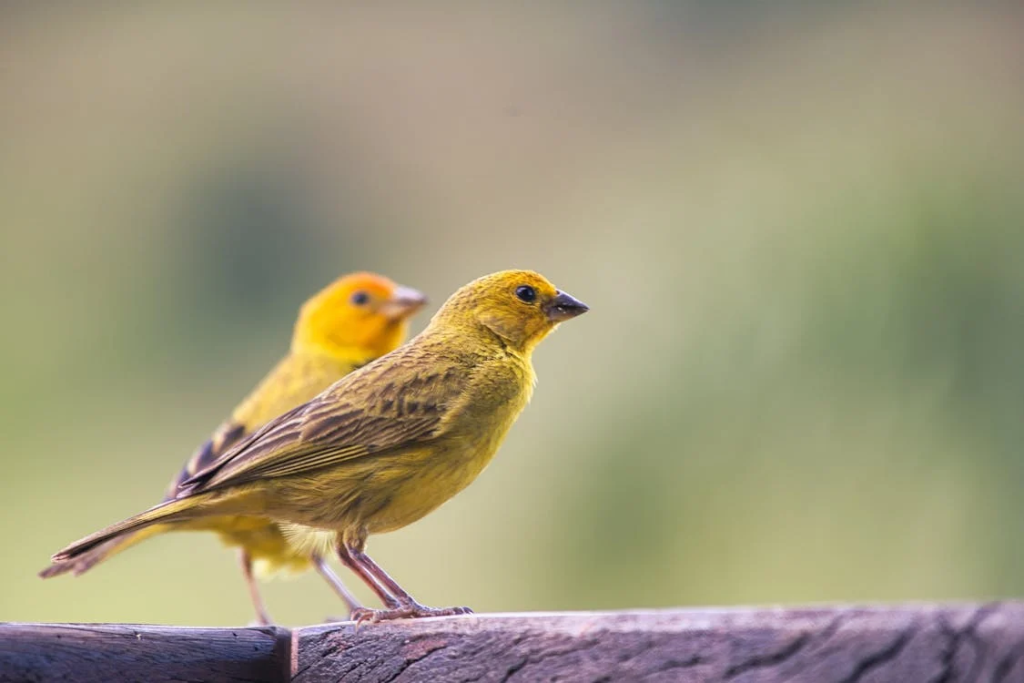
(564, 307)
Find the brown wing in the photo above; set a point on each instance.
(227, 435)
(383, 407)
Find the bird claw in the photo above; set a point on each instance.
(364, 614)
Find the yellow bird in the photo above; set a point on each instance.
(388, 443)
(353, 321)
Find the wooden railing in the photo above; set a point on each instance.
(907, 644)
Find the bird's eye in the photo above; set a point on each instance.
(526, 293)
(360, 298)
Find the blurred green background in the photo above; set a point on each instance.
(798, 226)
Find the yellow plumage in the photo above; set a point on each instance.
(388, 443)
(356, 319)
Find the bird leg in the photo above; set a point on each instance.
(401, 605)
(332, 579)
(346, 559)
(262, 618)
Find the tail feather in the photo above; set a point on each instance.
(89, 559)
(87, 552)
(82, 556)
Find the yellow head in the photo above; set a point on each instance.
(358, 317)
(519, 306)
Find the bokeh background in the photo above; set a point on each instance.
(798, 225)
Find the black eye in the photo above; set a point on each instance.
(360, 298)
(526, 293)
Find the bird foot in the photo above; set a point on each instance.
(415, 611)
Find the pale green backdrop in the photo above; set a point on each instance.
(798, 225)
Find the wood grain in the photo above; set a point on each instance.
(905, 644)
(845, 645)
(125, 652)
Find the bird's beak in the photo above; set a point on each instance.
(564, 307)
(404, 302)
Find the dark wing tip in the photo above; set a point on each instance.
(226, 436)
(194, 483)
(187, 487)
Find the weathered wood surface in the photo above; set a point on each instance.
(150, 654)
(904, 644)
(931, 644)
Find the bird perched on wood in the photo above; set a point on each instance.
(388, 443)
(353, 321)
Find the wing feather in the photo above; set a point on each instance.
(379, 408)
